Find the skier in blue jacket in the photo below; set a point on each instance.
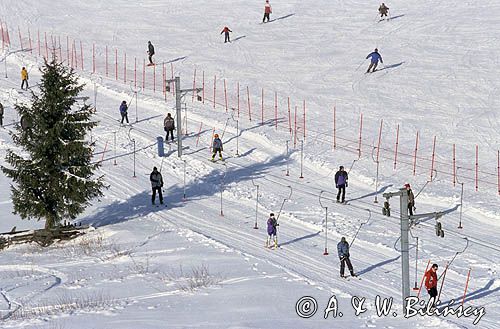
(343, 250)
(217, 147)
(375, 57)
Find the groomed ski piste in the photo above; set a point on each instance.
(199, 262)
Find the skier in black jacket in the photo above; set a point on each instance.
(151, 52)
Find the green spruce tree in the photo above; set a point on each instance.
(53, 174)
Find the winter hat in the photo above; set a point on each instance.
(271, 214)
(343, 239)
(407, 185)
(216, 135)
(341, 167)
(155, 169)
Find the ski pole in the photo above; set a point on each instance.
(362, 62)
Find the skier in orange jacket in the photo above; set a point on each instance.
(431, 281)
(226, 30)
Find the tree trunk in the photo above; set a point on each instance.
(50, 222)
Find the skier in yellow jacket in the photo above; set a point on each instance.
(24, 78)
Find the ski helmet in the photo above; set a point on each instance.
(271, 214)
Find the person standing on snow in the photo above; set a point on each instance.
(411, 199)
(1, 115)
(226, 31)
(341, 183)
(272, 231)
(343, 250)
(375, 57)
(169, 126)
(123, 111)
(156, 185)
(267, 11)
(24, 78)
(151, 52)
(383, 9)
(431, 281)
(217, 147)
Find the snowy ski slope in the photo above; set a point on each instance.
(439, 79)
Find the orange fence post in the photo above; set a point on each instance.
(276, 110)
(203, 86)
(116, 64)
(415, 156)
(432, 158)
(238, 87)
(124, 67)
(454, 167)
(289, 117)
(194, 85)
(360, 134)
(225, 94)
(396, 148)
(82, 67)
(423, 277)
(466, 286)
(143, 74)
(304, 114)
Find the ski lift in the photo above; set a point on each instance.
(439, 226)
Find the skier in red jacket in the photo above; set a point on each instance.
(267, 11)
(226, 30)
(431, 281)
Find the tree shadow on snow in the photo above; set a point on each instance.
(139, 205)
